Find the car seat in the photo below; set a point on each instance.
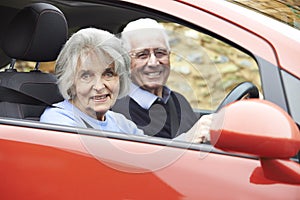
(37, 33)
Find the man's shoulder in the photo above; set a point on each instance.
(179, 96)
(176, 94)
(122, 106)
(121, 103)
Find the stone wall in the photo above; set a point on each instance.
(287, 11)
(205, 69)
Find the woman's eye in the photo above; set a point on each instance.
(108, 74)
(86, 76)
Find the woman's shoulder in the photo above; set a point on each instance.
(65, 104)
(125, 125)
(59, 113)
(60, 107)
(115, 115)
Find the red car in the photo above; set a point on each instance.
(220, 52)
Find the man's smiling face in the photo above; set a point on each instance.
(150, 61)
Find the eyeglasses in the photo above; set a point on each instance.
(161, 54)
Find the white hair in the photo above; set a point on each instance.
(104, 44)
(140, 25)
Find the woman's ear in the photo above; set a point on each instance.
(72, 92)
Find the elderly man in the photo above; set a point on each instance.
(153, 106)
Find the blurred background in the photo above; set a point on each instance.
(286, 11)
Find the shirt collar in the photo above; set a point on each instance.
(145, 99)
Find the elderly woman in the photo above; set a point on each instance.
(92, 72)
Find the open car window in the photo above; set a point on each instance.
(203, 68)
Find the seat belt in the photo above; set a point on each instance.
(14, 96)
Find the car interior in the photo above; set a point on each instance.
(30, 30)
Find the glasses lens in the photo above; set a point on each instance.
(144, 55)
(160, 53)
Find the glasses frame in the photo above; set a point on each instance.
(145, 54)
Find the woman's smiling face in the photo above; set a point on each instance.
(96, 86)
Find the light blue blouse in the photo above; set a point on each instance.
(65, 113)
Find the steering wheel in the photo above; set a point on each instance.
(240, 91)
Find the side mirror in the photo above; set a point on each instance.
(256, 127)
(260, 128)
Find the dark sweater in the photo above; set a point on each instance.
(161, 120)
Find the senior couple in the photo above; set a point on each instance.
(118, 85)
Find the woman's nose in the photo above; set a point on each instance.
(99, 83)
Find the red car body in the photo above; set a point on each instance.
(249, 157)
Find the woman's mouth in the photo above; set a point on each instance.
(101, 98)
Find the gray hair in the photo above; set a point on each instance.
(102, 43)
(138, 27)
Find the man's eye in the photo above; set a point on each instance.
(160, 53)
(142, 55)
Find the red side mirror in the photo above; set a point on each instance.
(256, 127)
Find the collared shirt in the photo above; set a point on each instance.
(145, 110)
(146, 99)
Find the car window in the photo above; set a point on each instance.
(204, 69)
(26, 66)
(291, 85)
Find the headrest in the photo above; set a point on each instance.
(37, 33)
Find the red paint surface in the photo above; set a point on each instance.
(256, 127)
